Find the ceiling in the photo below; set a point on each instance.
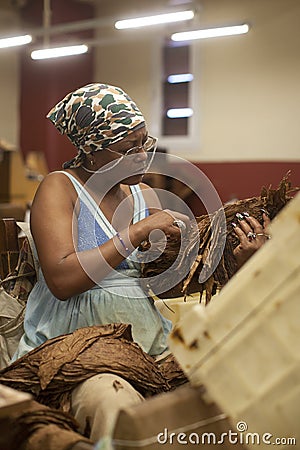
(106, 13)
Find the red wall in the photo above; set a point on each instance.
(244, 179)
(44, 83)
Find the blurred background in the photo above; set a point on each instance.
(240, 102)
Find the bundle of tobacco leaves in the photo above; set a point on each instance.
(203, 261)
(51, 371)
(35, 427)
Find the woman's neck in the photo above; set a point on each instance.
(98, 183)
(109, 198)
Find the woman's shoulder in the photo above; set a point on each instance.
(150, 197)
(55, 185)
(144, 186)
(58, 176)
(57, 180)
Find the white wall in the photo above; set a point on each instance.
(249, 85)
(9, 84)
(246, 92)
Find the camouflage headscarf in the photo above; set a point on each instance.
(94, 117)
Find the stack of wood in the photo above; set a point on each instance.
(213, 263)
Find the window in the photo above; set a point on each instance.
(176, 85)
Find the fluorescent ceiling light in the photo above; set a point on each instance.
(14, 41)
(176, 113)
(154, 20)
(180, 78)
(210, 33)
(59, 52)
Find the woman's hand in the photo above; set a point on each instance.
(171, 223)
(252, 235)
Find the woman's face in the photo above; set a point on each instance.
(133, 164)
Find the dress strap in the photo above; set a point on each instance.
(140, 210)
(91, 204)
(78, 186)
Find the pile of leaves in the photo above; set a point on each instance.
(203, 260)
(51, 371)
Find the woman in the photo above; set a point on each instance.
(87, 222)
(97, 202)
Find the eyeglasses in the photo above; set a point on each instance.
(148, 146)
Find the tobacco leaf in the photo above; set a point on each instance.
(51, 371)
(203, 261)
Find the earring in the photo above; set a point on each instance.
(91, 162)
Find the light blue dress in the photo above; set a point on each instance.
(118, 298)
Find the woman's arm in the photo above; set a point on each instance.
(66, 271)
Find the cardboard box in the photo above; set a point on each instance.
(184, 417)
